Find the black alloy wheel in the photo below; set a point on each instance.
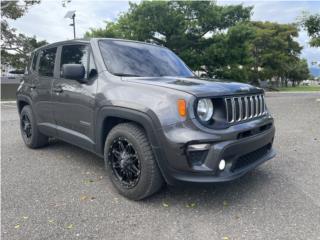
(124, 161)
(26, 126)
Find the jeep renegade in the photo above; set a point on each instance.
(142, 109)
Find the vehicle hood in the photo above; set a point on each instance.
(197, 87)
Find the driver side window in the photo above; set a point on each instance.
(74, 54)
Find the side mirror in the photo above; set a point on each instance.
(73, 71)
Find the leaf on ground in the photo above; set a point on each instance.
(225, 238)
(17, 226)
(70, 226)
(191, 205)
(25, 217)
(82, 198)
(225, 203)
(87, 181)
(165, 204)
(51, 221)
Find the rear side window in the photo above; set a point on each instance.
(75, 54)
(46, 64)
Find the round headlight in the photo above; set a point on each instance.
(205, 109)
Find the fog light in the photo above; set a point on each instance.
(222, 164)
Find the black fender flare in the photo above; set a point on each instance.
(23, 98)
(150, 124)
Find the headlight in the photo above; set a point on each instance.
(205, 109)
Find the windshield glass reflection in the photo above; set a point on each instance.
(124, 58)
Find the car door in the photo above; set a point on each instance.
(74, 100)
(43, 72)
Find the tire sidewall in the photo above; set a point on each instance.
(26, 111)
(140, 188)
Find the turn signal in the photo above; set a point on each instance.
(182, 107)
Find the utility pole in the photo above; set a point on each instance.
(72, 15)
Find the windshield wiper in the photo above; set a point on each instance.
(126, 75)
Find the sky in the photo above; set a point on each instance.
(46, 21)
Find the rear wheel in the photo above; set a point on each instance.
(130, 162)
(31, 136)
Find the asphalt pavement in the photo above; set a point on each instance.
(63, 192)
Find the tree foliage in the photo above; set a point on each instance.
(220, 40)
(311, 23)
(189, 28)
(15, 47)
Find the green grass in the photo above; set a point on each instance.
(300, 89)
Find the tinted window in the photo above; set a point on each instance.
(130, 58)
(34, 61)
(74, 54)
(46, 65)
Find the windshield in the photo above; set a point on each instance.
(124, 58)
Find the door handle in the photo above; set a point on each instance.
(58, 89)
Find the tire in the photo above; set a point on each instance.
(31, 135)
(135, 142)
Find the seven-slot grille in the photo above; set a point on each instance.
(244, 107)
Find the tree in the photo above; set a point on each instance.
(220, 40)
(311, 23)
(189, 28)
(256, 51)
(299, 71)
(16, 46)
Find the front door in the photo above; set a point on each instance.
(74, 101)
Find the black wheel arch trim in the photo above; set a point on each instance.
(151, 125)
(23, 98)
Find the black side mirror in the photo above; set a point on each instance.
(74, 71)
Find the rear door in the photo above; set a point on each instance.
(45, 70)
(74, 101)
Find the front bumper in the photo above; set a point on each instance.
(240, 154)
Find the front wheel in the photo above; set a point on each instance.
(130, 162)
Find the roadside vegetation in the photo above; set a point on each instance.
(300, 89)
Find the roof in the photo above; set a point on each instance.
(88, 40)
(62, 42)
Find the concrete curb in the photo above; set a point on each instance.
(5, 102)
(295, 92)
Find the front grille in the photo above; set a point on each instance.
(244, 107)
(250, 158)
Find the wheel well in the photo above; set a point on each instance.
(111, 122)
(21, 104)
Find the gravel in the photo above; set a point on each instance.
(62, 192)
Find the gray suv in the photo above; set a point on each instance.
(142, 109)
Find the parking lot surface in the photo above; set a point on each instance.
(62, 192)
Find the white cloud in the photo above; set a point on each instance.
(46, 21)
